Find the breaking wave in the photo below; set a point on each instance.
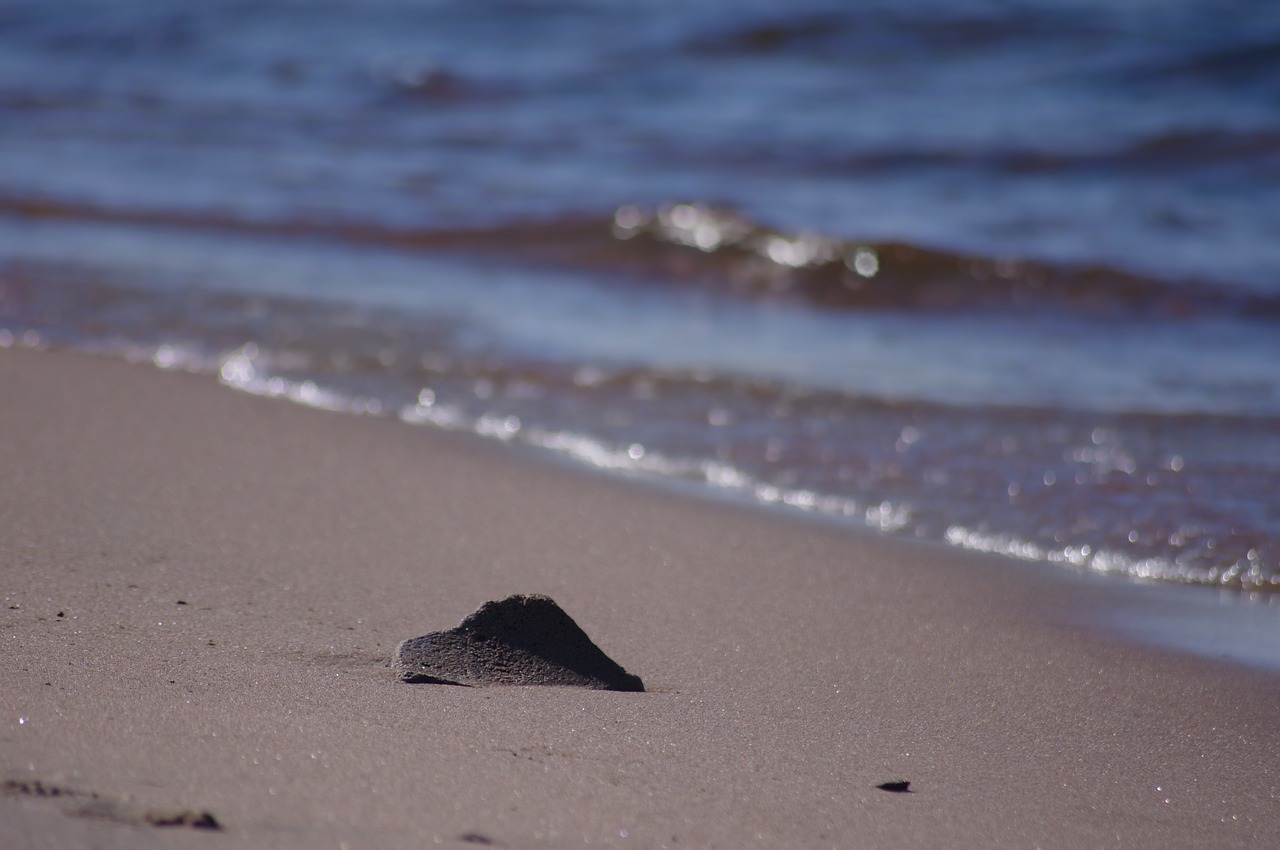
(703, 245)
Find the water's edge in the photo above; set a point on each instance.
(1218, 625)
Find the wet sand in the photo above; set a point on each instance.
(202, 591)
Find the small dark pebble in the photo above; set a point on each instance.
(62, 613)
(476, 838)
(182, 602)
(897, 786)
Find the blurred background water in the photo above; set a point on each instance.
(1000, 274)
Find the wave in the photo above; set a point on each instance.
(1185, 149)
(716, 248)
(1256, 62)
(889, 32)
(369, 345)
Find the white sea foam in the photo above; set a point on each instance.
(1246, 574)
(240, 370)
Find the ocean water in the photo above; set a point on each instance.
(1000, 274)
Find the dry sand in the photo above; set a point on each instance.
(201, 591)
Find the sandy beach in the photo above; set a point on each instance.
(202, 591)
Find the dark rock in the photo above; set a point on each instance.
(897, 786)
(522, 640)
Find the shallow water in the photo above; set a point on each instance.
(1001, 275)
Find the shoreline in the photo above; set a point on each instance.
(211, 584)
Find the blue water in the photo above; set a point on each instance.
(1005, 275)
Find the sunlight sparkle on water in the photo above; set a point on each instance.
(863, 261)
